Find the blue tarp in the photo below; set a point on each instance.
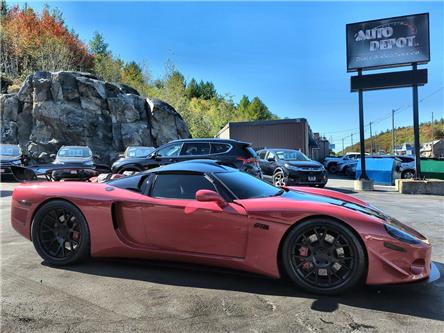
(381, 170)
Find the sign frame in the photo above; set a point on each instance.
(395, 64)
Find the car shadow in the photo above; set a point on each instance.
(421, 299)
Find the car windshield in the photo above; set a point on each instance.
(291, 155)
(74, 152)
(9, 151)
(245, 186)
(138, 151)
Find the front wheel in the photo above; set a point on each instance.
(60, 233)
(323, 256)
(279, 179)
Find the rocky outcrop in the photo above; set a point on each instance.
(74, 108)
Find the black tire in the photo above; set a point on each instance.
(330, 258)
(332, 168)
(321, 185)
(347, 172)
(279, 179)
(60, 234)
(408, 174)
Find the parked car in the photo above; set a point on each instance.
(331, 163)
(73, 162)
(347, 167)
(10, 155)
(236, 154)
(408, 166)
(201, 212)
(290, 167)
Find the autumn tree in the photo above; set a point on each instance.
(32, 41)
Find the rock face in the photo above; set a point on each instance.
(74, 108)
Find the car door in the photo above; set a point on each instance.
(262, 161)
(270, 165)
(175, 221)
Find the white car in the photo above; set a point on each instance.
(331, 163)
(408, 167)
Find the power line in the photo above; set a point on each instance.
(399, 109)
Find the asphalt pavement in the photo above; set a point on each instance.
(133, 296)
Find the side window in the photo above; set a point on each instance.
(261, 154)
(170, 151)
(271, 155)
(179, 186)
(195, 148)
(219, 148)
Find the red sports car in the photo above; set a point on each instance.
(206, 213)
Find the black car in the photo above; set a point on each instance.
(10, 155)
(236, 154)
(291, 167)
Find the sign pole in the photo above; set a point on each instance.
(361, 131)
(416, 127)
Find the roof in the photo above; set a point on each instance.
(261, 123)
(198, 166)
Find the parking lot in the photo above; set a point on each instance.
(124, 296)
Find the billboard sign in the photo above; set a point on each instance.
(389, 42)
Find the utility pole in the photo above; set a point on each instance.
(351, 139)
(393, 131)
(433, 127)
(343, 146)
(416, 127)
(371, 139)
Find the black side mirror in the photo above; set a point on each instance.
(271, 159)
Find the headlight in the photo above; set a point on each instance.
(401, 235)
(16, 162)
(89, 163)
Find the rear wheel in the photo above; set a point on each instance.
(323, 256)
(408, 174)
(347, 172)
(60, 233)
(332, 168)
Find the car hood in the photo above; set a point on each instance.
(314, 201)
(4, 158)
(82, 160)
(129, 160)
(304, 164)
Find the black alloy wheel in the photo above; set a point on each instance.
(323, 256)
(60, 233)
(279, 179)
